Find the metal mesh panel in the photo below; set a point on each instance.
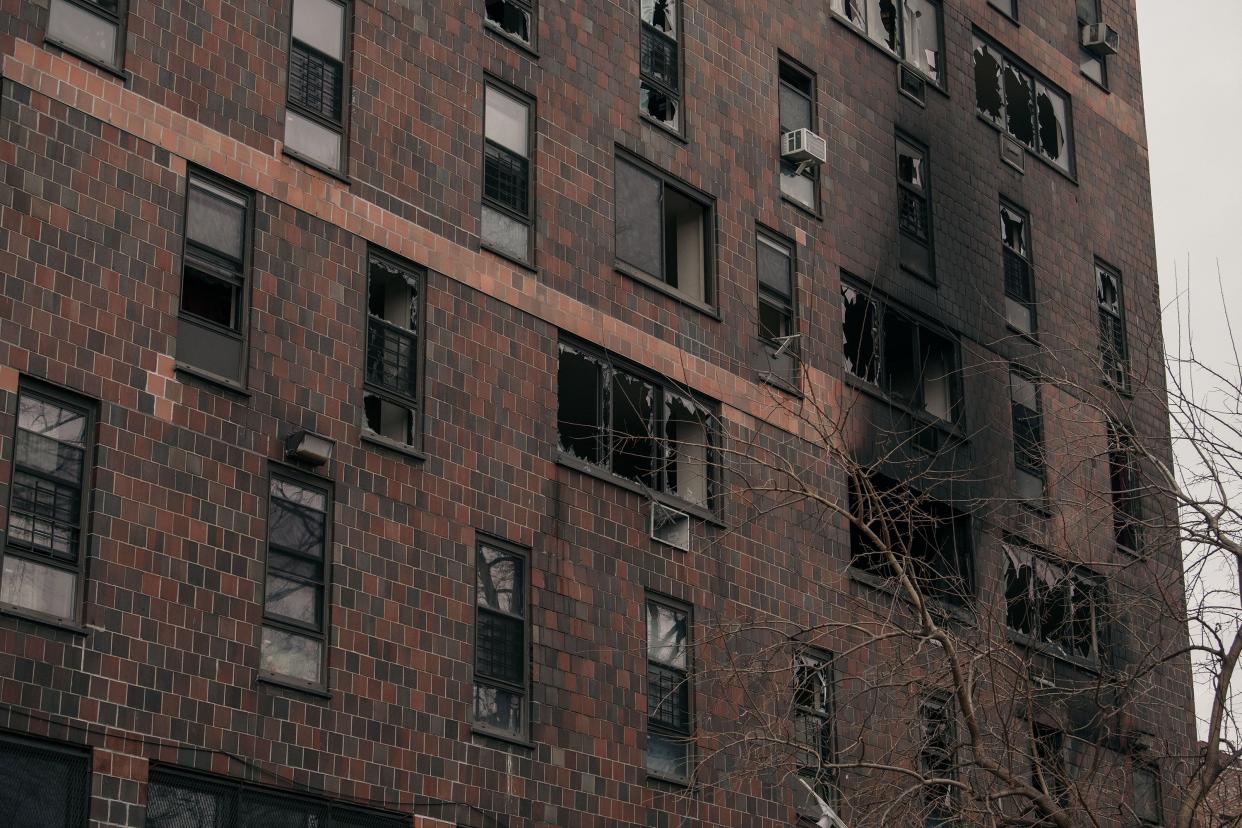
(499, 647)
(659, 58)
(1017, 277)
(392, 357)
(184, 802)
(1113, 347)
(315, 82)
(506, 178)
(668, 697)
(43, 787)
(912, 214)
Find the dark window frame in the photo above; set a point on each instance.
(1115, 346)
(531, 7)
(689, 733)
(785, 62)
(527, 218)
(923, 194)
(764, 295)
(823, 780)
(675, 95)
(80, 755)
(1126, 488)
(691, 193)
(1010, 254)
(1023, 455)
(662, 387)
(900, 34)
(1084, 55)
(1049, 771)
(1027, 605)
(323, 632)
(1151, 768)
(415, 402)
(524, 688)
(341, 127)
(1013, 4)
(119, 18)
(194, 256)
(940, 802)
(77, 403)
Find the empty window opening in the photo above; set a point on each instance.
(93, 29)
(390, 395)
(1055, 604)
(512, 17)
(1022, 104)
(660, 62)
(507, 193)
(1019, 282)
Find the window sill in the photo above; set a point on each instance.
(1030, 152)
(814, 212)
(1126, 390)
(668, 132)
(392, 445)
(217, 382)
(931, 82)
(669, 783)
(953, 431)
(943, 607)
(293, 684)
(1042, 648)
(704, 514)
(511, 40)
(656, 284)
(22, 614)
(525, 264)
(499, 736)
(1100, 86)
(1031, 337)
(106, 68)
(315, 165)
(928, 279)
(780, 384)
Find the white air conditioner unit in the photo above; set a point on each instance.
(801, 146)
(1100, 39)
(670, 527)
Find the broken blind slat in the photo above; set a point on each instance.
(639, 219)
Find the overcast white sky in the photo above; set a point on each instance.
(1192, 77)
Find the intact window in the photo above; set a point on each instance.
(914, 209)
(778, 320)
(1009, 8)
(915, 364)
(664, 232)
(211, 330)
(813, 733)
(938, 760)
(659, 90)
(1114, 352)
(909, 29)
(1126, 488)
(670, 728)
(931, 540)
(796, 90)
(639, 428)
(1021, 103)
(1092, 65)
(295, 593)
(315, 112)
(94, 29)
(391, 399)
(1028, 436)
(45, 785)
(514, 18)
(501, 662)
(45, 553)
(1019, 281)
(1058, 605)
(507, 191)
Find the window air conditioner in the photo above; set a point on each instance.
(670, 527)
(1100, 39)
(801, 146)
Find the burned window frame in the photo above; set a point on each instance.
(526, 215)
(683, 682)
(882, 309)
(116, 18)
(416, 278)
(338, 125)
(916, 246)
(529, 7)
(919, 516)
(1030, 451)
(87, 409)
(1018, 264)
(650, 83)
(841, 11)
(1034, 582)
(1125, 484)
(815, 761)
(788, 66)
(609, 367)
(319, 630)
(937, 758)
(1086, 56)
(1113, 331)
(484, 679)
(1035, 83)
(687, 192)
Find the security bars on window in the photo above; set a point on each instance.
(659, 96)
(669, 726)
(507, 201)
(1019, 281)
(813, 732)
(315, 106)
(501, 653)
(45, 784)
(914, 209)
(391, 397)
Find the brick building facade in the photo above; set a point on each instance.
(405, 230)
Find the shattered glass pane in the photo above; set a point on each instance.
(861, 336)
(909, 165)
(922, 35)
(1108, 292)
(882, 23)
(687, 433)
(1019, 105)
(634, 445)
(851, 10)
(659, 106)
(988, 98)
(1013, 231)
(661, 14)
(1053, 127)
(511, 18)
(900, 369)
(579, 423)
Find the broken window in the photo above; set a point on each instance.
(1028, 436)
(663, 232)
(659, 95)
(500, 649)
(916, 365)
(315, 106)
(1048, 771)
(1114, 353)
(1020, 102)
(514, 18)
(938, 760)
(638, 428)
(94, 29)
(669, 722)
(390, 396)
(1090, 64)
(928, 538)
(1054, 604)
(507, 190)
(909, 29)
(1145, 794)
(1019, 282)
(796, 92)
(1126, 488)
(914, 209)
(813, 731)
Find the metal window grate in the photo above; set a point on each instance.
(315, 82)
(506, 178)
(1017, 277)
(45, 515)
(658, 57)
(499, 647)
(668, 697)
(44, 787)
(1113, 347)
(1028, 438)
(392, 357)
(912, 214)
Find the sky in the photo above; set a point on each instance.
(1192, 78)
